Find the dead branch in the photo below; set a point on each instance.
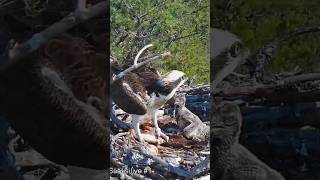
(166, 166)
(269, 96)
(265, 54)
(266, 89)
(138, 65)
(300, 78)
(65, 24)
(6, 6)
(203, 166)
(179, 37)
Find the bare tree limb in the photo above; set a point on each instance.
(300, 78)
(138, 65)
(199, 9)
(257, 60)
(279, 92)
(6, 6)
(179, 37)
(281, 83)
(65, 24)
(203, 166)
(166, 166)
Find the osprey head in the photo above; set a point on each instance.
(171, 82)
(226, 122)
(226, 54)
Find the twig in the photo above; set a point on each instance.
(166, 166)
(300, 78)
(191, 80)
(8, 6)
(115, 137)
(63, 25)
(138, 65)
(26, 168)
(202, 166)
(236, 91)
(257, 60)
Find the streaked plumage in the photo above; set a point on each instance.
(229, 159)
(44, 97)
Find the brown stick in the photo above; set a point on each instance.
(282, 83)
(258, 59)
(138, 65)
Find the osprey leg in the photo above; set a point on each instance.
(157, 129)
(136, 126)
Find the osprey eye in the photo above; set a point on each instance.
(235, 49)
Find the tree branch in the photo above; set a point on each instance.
(257, 61)
(275, 92)
(166, 166)
(138, 65)
(177, 38)
(65, 24)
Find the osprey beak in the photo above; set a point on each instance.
(170, 83)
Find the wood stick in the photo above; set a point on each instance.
(138, 65)
(62, 26)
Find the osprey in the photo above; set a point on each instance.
(56, 99)
(226, 54)
(144, 91)
(230, 159)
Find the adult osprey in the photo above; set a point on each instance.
(226, 54)
(144, 91)
(45, 95)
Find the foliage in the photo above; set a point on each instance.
(257, 22)
(178, 26)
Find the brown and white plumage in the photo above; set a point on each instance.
(44, 97)
(82, 67)
(144, 91)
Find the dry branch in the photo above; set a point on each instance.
(7, 6)
(272, 93)
(166, 166)
(258, 60)
(203, 166)
(300, 78)
(62, 26)
(138, 65)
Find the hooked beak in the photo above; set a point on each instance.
(171, 82)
